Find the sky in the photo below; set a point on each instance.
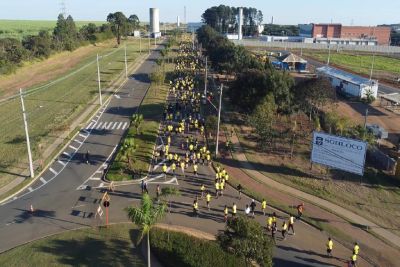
(347, 12)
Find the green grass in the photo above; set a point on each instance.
(113, 246)
(52, 109)
(20, 28)
(151, 109)
(360, 63)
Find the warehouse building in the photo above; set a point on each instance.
(349, 84)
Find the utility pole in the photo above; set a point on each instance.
(219, 119)
(126, 65)
(205, 81)
(155, 41)
(329, 53)
(140, 43)
(372, 66)
(149, 43)
(366, 116)
(28, 144)
(98, 80)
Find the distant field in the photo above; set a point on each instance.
(20, 28)
(385, 67)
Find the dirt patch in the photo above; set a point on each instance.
(36, 73)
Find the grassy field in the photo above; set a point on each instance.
(152, 109)
(53, 106)
(20, 28)
(385, 67)
(113, 246)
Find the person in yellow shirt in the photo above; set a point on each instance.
(173, 167)
(217, 188)
(195, 207)
(269, 223)
(195, 167)
(164, 168)
(202, 189)
(234, 210)
(226, 177)
(354, 260)
(329, 247)
(208, 199)
(356, 248)
(225, 213)
(284, 229)
(183, 168)
(263, 206)
(291, 223)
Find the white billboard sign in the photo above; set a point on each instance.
(339, 152)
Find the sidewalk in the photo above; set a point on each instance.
(316, 208)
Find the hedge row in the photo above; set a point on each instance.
(183, 250)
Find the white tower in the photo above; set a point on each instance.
(154, 20)
(240, 22)
(178, 21)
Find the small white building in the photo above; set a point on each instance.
(349, 83)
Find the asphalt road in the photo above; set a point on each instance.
(382, 89)
(58, 201)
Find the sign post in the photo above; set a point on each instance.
(106, 204)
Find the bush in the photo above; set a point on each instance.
(176, 249)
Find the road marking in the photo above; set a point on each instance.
(95, 179)
(79, 142)
(14, 198)
(104, 125)
(119, 125)
(108, 126)
(115, 124)
(101, 185)
(62, 163)
(81, 135)
(125, 124)
(159, 164)
(90, 125)
(99, 171)
(43, 180)
(30, 189)
(98, 125)
(117, 96)
(74, 148)
(66, 154)
(53, 171)
(85, 131)
(78, 206)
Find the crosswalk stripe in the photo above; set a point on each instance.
(53, 171)
(108, 126)
(62, 163)
(114, 125)
(98, 125)
(119, 125)
(43, 180)
(90, 125)
(74, 148)
(125, 124)
(104, 125)
(66, 154)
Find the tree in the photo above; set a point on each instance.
(146, 216)
(118, 24)
(211, 124)
(246, 238)
(128, 148)
(134, 22)
(39, 46)
(65, 33)
(262, 120)
(137, 120)
(280, 84)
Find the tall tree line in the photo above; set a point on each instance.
(223, 19)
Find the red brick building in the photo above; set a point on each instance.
(381, 34)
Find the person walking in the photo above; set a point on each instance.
(195, 208)
(239, 189)
(158, 193)
(87, 157)
(164, 168)
(247, 210)
(284, 229)
(202, 189)
(142, 186)
(263, 206)
(217, 188)
(329, 247)
(274, 219)
(356, 248)
(195, 167)
(225, 213)
(353, 260)
(300, 209)
(253, 206)
(183, 168)
(291, 223)
(208, 199)
(234, 210)
(273, 232)
(269, 223)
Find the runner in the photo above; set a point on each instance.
(291, 223)
(225, 213)
(164, 168)
(300, 209)
(158, 192)
(234, 210)
(253, 206)
(239, 189)
(202, 188)
(208, 199)
(247, 210)
(195, 208)
(329, 247)
(284, 229)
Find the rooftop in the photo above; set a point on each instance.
(345, 76)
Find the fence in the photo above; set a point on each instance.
(295, 45)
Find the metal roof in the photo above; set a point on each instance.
(393, 97)
(345, 76)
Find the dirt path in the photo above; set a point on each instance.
(41, 71)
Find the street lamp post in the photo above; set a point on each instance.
(205, 80)
(28, 144)
(219, 120)
(98, 80)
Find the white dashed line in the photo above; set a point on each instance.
(53, 171)
(43, 180)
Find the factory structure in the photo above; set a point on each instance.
(155, 23)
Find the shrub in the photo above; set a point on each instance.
(177, 249)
